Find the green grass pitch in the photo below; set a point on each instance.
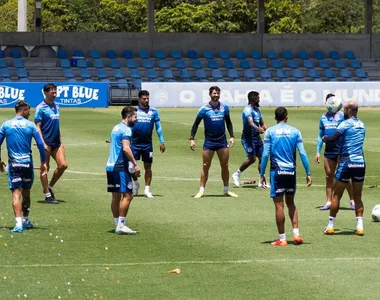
(220, 244)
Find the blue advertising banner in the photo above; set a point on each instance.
(70, 94)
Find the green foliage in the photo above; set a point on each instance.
(8, 13)
(283, 16)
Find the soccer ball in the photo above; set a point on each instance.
(376, 213)
(333, 104)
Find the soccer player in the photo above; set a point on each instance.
(47, 121)
(147, 118)
(280, 144)
(253, 126)
(328, 124)
(119, 181)
(351, 165)
(215, 116)
(18, 133)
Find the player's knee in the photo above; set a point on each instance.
(329, 175)
(63, 166)
(251, 159)
(224, 165)
(206, 165)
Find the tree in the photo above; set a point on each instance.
(283, 16)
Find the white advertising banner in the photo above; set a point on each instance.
(195, 94)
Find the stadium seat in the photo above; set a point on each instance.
(118, 74)
(329, 74)
(185, 75)
(334, 54)
(82, 63)
(3, 63)
(159, 54)
(4, 73)
(115, 64)
(15, 53)
(292, 64)
(232, 73)
(277, 64)
(286, 54)
(212, 64)
(349, 54)
(260, 64)
(240, 54)
(111, 54)
(78, 53)
(192, 54)
(24, 79)
(131, 64)
(88, 80)
(105, 80)
(196, 64)
(64, 63)
(217, 74)
(163, 64)
(123, 83)
(22, 73)
(175, 54)
(244, 64)
(298, 74)
(324, 64)
(143, 54)
(318, 54)
(135, 74)
(2, 54)
(147, 64)
(68, 73)
(346, 74)
(256, 54)
(223, 54)
(98, 63)
(168, 74)
(249, 74)
(137, 84)
(127, 54)
(180, 64)
(200, 74)
(151, 74)
(101, 74)
(271, 55)
(339, 63)
(85, 73)
(308, 64)
(18, 63)
(360, 73)
(228, 64)
(303, 54)
(71, 80)
(94, 54)
(208, 54)
(266, 74)
(62, 54)
(314, 74)
(281, 74)
(355, 64)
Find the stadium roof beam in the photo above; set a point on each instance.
(368, 16)
(150, 4)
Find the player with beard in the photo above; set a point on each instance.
(215, 116)
(253, 126)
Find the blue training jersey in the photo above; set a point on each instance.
(19, 133)
(143, 128)
(280, 143)
(255, 113)
(353, 134)
(214, 120)
(328, 124)
(48, 116)
(117, 161)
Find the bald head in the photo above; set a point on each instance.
(351, 109)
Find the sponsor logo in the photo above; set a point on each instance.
(19, 179)
(356, 165)
(286, 165)
(18, 165)
(281, 172)
(110, 185)
(76, 94)
(9, 95)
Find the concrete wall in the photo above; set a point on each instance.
(365, 46)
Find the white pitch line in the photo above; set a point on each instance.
(195, 262)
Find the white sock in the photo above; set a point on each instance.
(238, 172)
(328, 203)
(296, 231)
(282, 237)
(121, 222)
(116, 220)
(47, 195)
(202, 189)
(147, 188)
(359, 222)
(18, 221)
(331, 222)
(226, 188)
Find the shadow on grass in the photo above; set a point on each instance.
(215, 196)
(340, 208)
(289, 243)
(143, 196)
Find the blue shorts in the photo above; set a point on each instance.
(119, 182)
(282, 183)
(20, 175)
(332, 156)
(143, 151)
(253, 147)
(215, 145)
(350, 170)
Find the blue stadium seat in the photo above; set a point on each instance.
(329, 73)
(223, 54)
(143, 54)
(62, 54)
(292, 64)
(313, 73)
(68, 73)
(281, 74)
(240, 54)
(249, 74)
(85, 73)
(185, 75)
(355, 64)
(334, 54)
(208, 54)
(217, 74)
(308, 64)
(277, 64)
(22, 73)
(135, 74)
(180, 64)
(2, 55)
(123, 83)
(256, 54)
(131, 64)
(115, 64)
(286, 54)
(15, 53)
(303, 54)
(94, 54)
(64, 63)
(118, 74)
(101, 74)
(3, 63)
(349, 54)
(232, 73)
(324, 64)
(260, 64)
(200, 74)
(127, 54)
(339, 63)
(88, 80)
(175, 54)
(159, 54)
(24, 79)
(192, 54)
(271, 54)
(266, 74)
(228, 64)
(137, 84)
(196, 64)
(71, 80)
(244, 64)
(98, 63)
(105, 80)
(318, 54)
(163, 64)
(18, 63)
(111, 54)
(82, 63)
(168, 74)
(346, 74)
(78, 53)
(4, 73)
(298, 73)
(361, 73)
